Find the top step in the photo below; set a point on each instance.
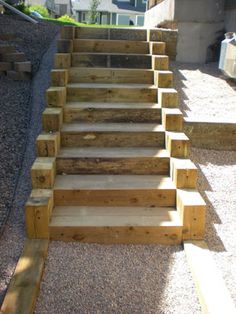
(111, 33)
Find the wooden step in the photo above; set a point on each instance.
(112, 112)
(111, 60)
(115, 160)
(114, 190)
(112, 92)
(112, 135)
(111, 33)
(110, 75)
(137, 225)
(110, 46)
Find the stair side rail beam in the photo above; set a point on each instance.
(24, 16)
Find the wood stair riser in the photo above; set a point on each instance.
(111, 115)
(110, 33)
(111, 61)
(118, 235)
(112, 139)
(110, 46)
(149, 198)
(112, 165)
(105, 75)
(111, 94)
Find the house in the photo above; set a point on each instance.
(116, 12)
(56, 8)
(201, 25)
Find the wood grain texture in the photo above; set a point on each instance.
(111, 93)
(111, 46)
(24, 286)
(213, 294)
(117, 190)
(111, 112)
(191, 208)
(94, 160)
(110, 75)
(48, 144)
(112, 135)
(38, 211)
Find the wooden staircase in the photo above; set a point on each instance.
(112, 162)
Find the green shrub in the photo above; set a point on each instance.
(22, 7)
(67, 18)
(40, 9)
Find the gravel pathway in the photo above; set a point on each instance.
(82, 278)
(217, 182)
(21, 106)
(205, 94)
(15, 105)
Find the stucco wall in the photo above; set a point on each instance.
(198, 24)
(230, 19)
(163, 11)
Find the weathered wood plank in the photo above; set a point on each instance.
(38, 211)
(191, 208)
(184, 173)
(43, 173)
(111, 46)
(172, 119)
(113, 161)
(112, 134)
(177, 144)
(24, 286)
(163, 79)
(113, 93)
(213, 294)
(115, 112)
(117, 190)
(168, 97)
(52, 119)
(48, 145)
(110, 75)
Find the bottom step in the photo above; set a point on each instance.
(113, 225)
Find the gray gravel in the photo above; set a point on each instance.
(15, 105)
(205, 93)
(82, 278)
(21, 104)
(217, 182)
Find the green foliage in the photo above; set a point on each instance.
(23, 8)
(67, 19)
(40, 9)
(93, 13)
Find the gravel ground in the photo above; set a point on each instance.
(82, 278)
(21, 104)
(217, 182)
(15, 105)
(205, 94)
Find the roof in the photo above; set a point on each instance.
(107, 6)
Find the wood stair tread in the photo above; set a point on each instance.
(111, 182)
(102, 105)
(112, 54)
(113, 152)
(89, 69)
(85, 216)
(112, 127)
(111, 85)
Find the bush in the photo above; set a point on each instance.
(40, 9)
(67, 19)
(21, 7)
